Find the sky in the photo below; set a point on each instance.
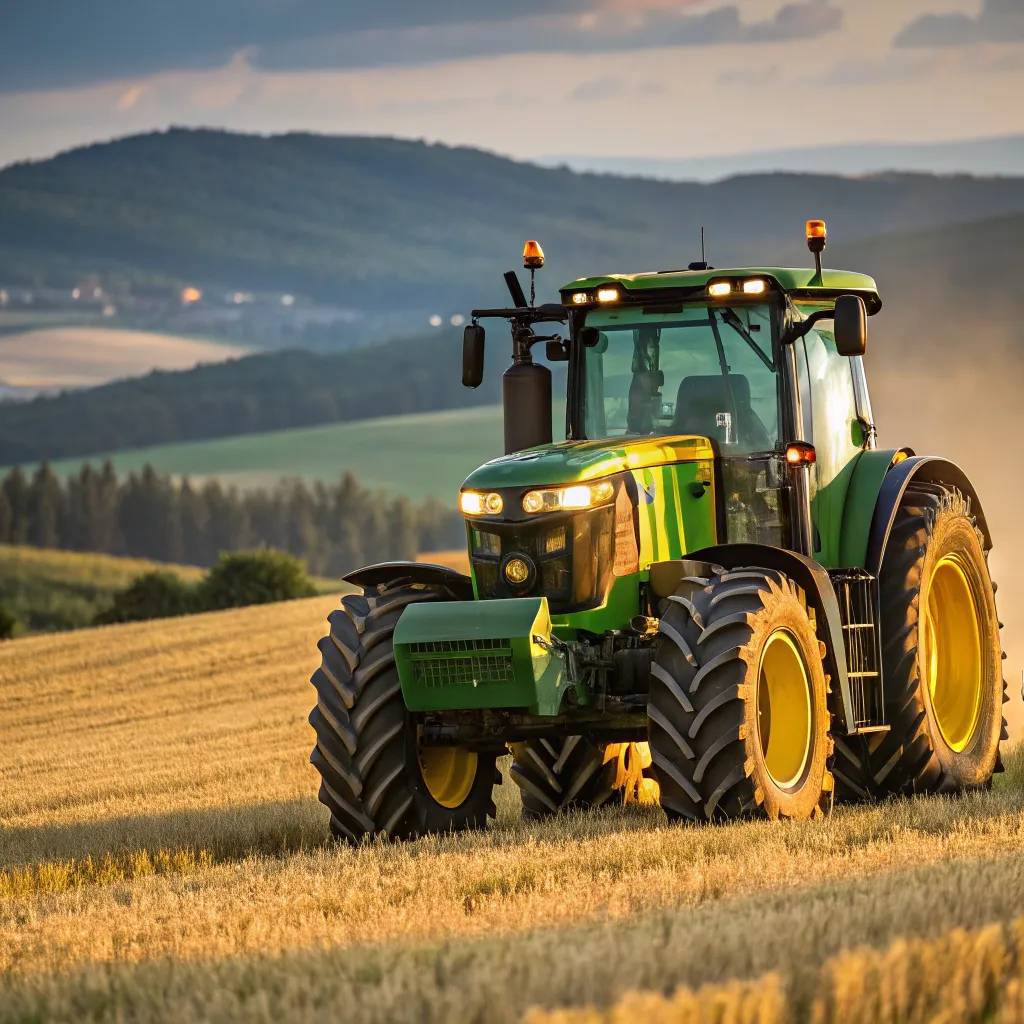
(527, 78)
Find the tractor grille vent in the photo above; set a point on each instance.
(462, 662)
(857, 592)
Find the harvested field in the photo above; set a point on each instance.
(51, 358)
(163, 855)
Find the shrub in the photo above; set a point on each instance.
(154, 595)
(254, 577)
(8, 623)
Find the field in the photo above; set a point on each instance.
(427, 454)
(54, 590)
(163, 856)
(51, 358)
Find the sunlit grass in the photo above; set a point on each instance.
(161, 845)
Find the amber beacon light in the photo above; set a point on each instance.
(817, 235)
(533, 256)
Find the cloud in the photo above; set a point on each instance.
(602, 31)
(1000, 21)
(53, 43)
(48, 43)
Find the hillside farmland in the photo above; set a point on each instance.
(162, 852)
(52, 358)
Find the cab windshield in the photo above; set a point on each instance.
(706, 371)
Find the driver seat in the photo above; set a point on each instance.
(699, 398)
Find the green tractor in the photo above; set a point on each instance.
(717, 593)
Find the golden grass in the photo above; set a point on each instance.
(161, 846)
(960, 976)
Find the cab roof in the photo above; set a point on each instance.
(800, 283)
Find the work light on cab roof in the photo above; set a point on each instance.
(684, 600)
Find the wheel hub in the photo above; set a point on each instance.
(784, 720)
(448, 773)
(952, 658)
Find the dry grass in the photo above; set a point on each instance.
(960, 976)
(162, 847)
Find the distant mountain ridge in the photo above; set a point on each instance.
(385, 223)
(999, 156)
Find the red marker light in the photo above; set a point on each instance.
(800, 453)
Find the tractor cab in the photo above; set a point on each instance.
(722, 385)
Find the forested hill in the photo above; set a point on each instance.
(940, 288)
(259, 393)
(374, 222)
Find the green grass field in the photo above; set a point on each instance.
(48, 591)
(423, 455)
(52, 591)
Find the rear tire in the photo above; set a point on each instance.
(375, 778)
(738, 712)
(941, 654)
(577, 773)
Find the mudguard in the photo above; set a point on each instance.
(411, 573)
(919, 467)
(821, 596)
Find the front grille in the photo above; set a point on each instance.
(573, 552)
(462, 662)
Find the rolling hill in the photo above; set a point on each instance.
(382, 222)
(421, 455)
(939, 286)
(52, 358)
(48, 591)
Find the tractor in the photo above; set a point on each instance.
(717, 593)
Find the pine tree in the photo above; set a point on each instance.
(45, 504)
(16, 491)
(195, 526)
(150, 517)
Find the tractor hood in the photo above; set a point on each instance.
(578, 461)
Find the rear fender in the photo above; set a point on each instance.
(821, 596)
(406, 574)
(890, 493)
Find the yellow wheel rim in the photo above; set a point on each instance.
(784, 721)
(952, 658)
(449, 773)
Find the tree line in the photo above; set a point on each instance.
(334, 527)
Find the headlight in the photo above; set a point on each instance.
(573, 497)
(473, 503)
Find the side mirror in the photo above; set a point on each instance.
(851, 325)
(472, 356)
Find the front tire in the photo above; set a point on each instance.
(738, 712)
(941, 654)
(376, 779)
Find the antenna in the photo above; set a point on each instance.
(703, 252)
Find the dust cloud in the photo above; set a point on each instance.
(956, 389)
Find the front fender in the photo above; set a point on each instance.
(821, 596)
(393, 574)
